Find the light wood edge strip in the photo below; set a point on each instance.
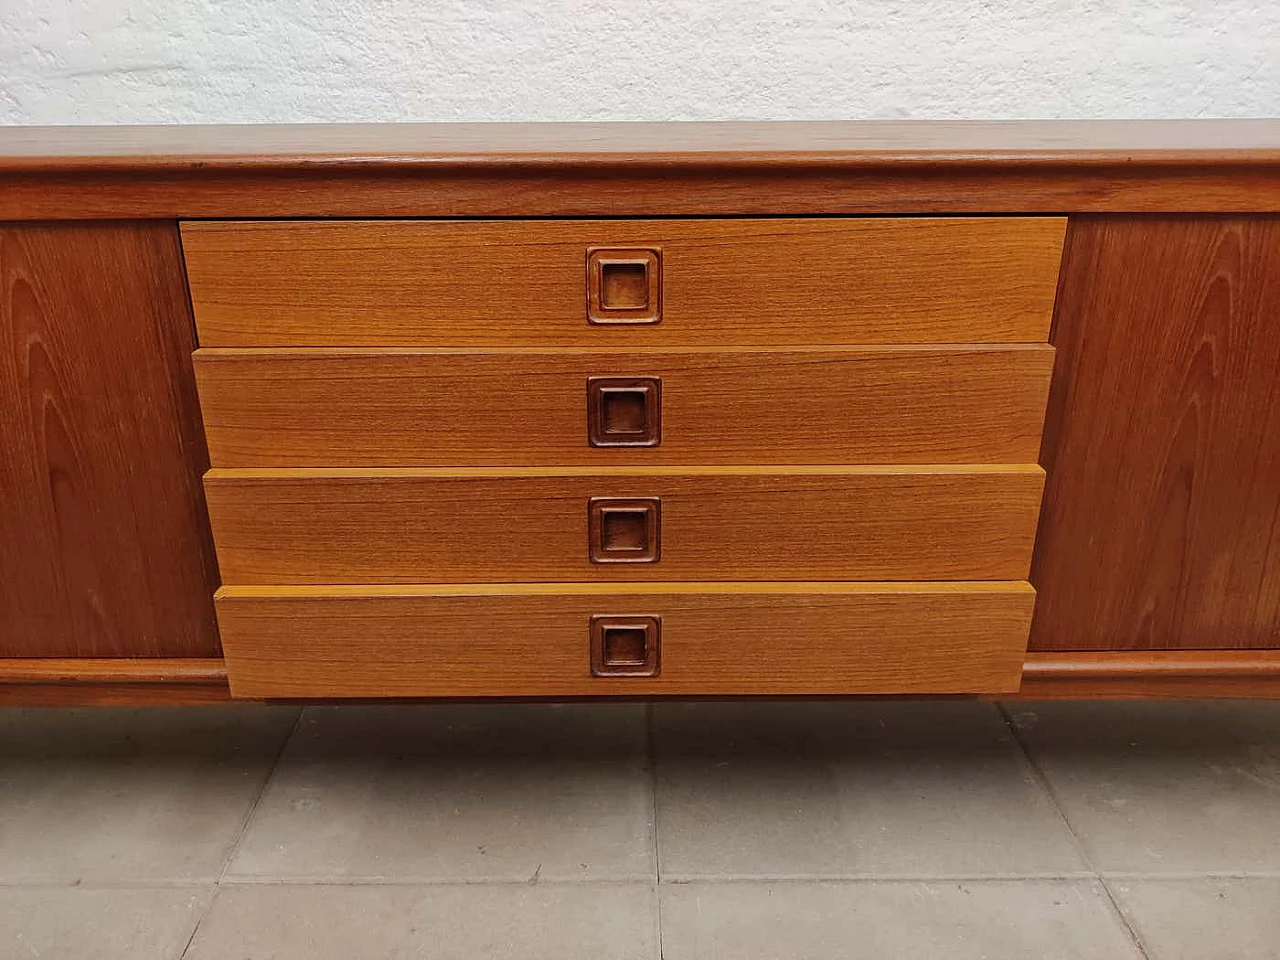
(209, 354)
(217, 474)
(161, 671)
(639, 589)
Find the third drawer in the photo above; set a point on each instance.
(609, 524)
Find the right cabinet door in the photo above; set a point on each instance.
(1161, 519)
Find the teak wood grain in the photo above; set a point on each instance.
(1161, 522)
(1151, 674)
(785, 523)
(116, 671)
(46, 694)
(518, 640)
(759, 282)
(104, 542)
(372, 408)
(637, 169)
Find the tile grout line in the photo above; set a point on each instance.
(195, 927)
(1042, 780)
(257, 800)
(624, 881)
(1115, 905)
(244, 829)
(651, 749)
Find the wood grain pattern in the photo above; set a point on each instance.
(116, 671)
(418, 526)
(533, 640)
(1151, 674)
(770, 282)
(371, 408)
(105, 548)
(1161, 522)
(113, 694)
(1137, 675)
(709, 169)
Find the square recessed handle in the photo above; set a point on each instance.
(624, 529)
(624, 411)
(625, 645)
(624, 285)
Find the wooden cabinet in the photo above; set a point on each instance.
(655, 411)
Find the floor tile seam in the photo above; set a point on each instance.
(672, 879)
(142, 883)
(195, 928)
(865, 878)
(1129, 928)
(369, 881)
(262, 792)
(1046, 786)
(651, 751)
(1175, 876)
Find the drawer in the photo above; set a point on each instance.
(405, 407)
(517, 640)
(611, 524)
(598, 283)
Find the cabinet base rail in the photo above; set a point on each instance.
(1098, 675)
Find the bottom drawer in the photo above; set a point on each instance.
(648, 639)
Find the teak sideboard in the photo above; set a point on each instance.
(639, 410)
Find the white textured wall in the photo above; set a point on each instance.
(150, 61)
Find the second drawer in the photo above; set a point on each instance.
(574, 524)
(400, 408)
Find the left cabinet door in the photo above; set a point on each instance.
(104, 541)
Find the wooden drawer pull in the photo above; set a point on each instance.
(624, 411)
(625, 645)
(624, 285)
(624, 529)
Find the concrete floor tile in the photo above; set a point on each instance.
(1204, 919)
(1164, 787)
(471, 792)
(891, 920)
(850, 789)
(107, 794)
(598, 921)
(79, 923)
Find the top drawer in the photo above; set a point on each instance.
(601, 283)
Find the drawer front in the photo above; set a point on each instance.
(788, 523)
(641, 639)
(376, 408)
(623, 282)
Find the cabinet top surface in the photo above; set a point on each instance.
(639, 169)
(727, 143)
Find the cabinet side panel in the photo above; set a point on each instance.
(1161, 520)
(105, 549)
